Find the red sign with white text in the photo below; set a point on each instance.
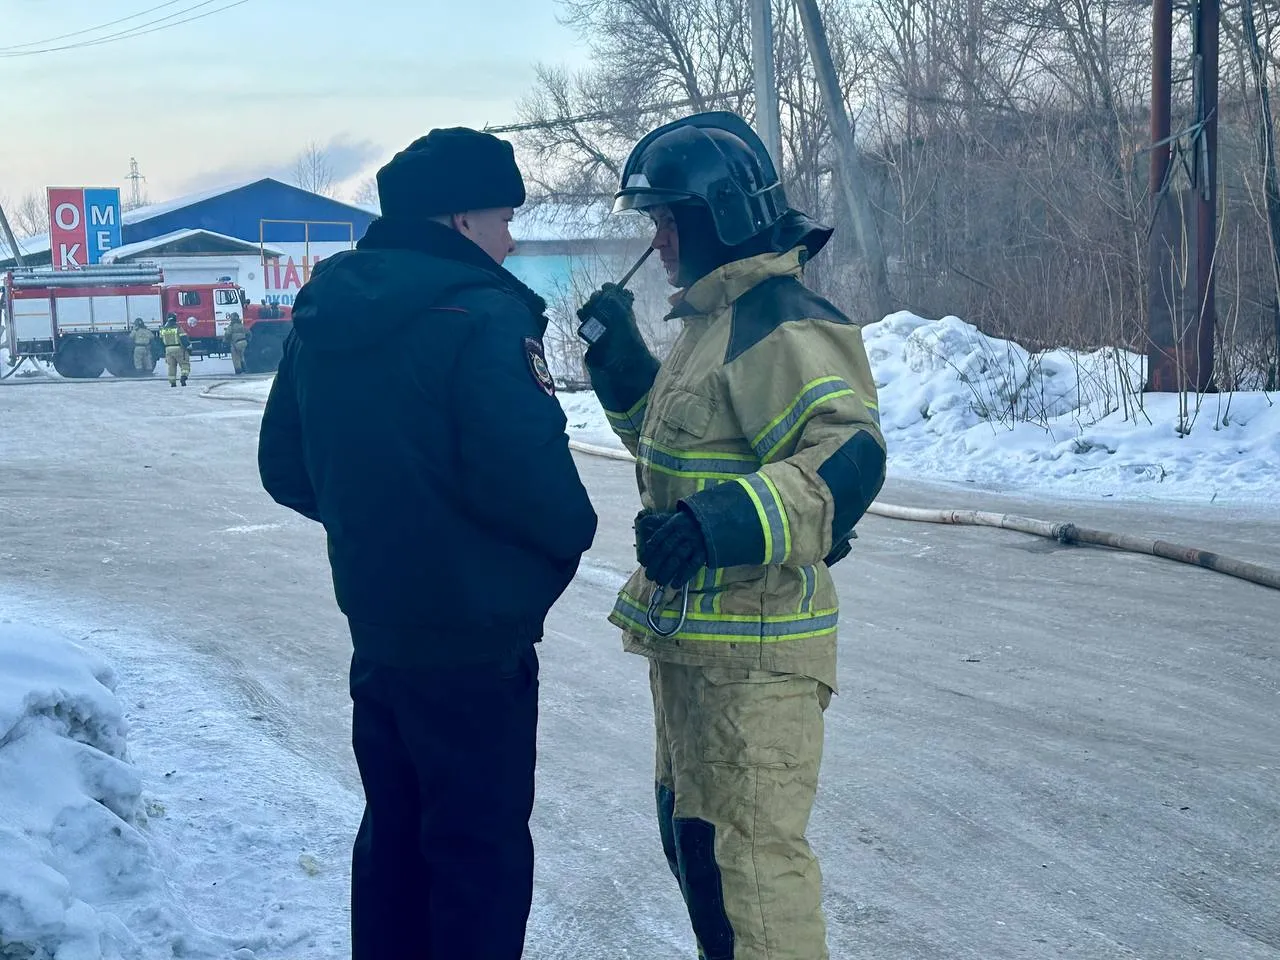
(68, 234)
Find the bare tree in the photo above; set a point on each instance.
(313, 171)
(1002, 142)
(366, 194)
(30, 215)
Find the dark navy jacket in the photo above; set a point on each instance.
(413, 417)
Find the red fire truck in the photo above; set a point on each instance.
(82, 319)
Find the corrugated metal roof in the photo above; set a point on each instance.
(142, 246)
(40, 243)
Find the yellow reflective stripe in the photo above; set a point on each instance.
(639, 405)
(764, 520)
(694, 464)
(721, 629)
(810, 574)
(791, 406)
(782, 514)
(783, 427)
(773, 517)
(632, 421)
(703, 454)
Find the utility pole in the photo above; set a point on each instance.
(1182, 311)
(1164, 305)
(766, 81)
(855, 189)
(1208, 13)
(136, 178)
(9, 238)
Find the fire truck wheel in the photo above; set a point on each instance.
(79, 358)
(119, 358)
(266, 347)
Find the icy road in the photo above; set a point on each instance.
(1037, 751)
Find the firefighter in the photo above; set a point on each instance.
(237, 338)
(142, 360)
(176, 347)
(758, 449)
(455, 518)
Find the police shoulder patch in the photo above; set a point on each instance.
(538, 365)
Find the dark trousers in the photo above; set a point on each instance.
(443, 864)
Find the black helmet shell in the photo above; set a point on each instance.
(712, 158)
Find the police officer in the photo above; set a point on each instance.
(141, 336)
(176, 347)
(758, 450)
(455, 518)
(237, 340)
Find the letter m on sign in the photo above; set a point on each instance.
(103, 234)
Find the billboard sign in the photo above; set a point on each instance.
(84, 224)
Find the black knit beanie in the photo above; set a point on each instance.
(450, 171)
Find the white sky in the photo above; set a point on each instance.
(240, 92)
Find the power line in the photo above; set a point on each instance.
(101, 26)
(611, 114)
(135, 32)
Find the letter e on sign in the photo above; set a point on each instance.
(103, 208)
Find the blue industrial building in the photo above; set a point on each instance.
(555, 244)
(259, 210)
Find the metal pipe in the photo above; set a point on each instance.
(57, 283)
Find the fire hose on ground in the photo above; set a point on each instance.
(1062, 532)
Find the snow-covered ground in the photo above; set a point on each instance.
(122, 841)
(233, 700)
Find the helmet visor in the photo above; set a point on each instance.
(640, 200)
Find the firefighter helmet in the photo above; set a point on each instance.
(712, 158)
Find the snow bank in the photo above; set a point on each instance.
(957, 405)
(78, 875)
(586, 419)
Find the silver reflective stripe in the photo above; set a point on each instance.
(801, 410)
(778, 531)
(745, 630)
(810, 586)
(693, 464)
(633, 420)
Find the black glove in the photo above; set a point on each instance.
(646, 524)
(608, 324)
(676, 551)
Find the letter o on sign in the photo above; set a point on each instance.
(67, 216)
